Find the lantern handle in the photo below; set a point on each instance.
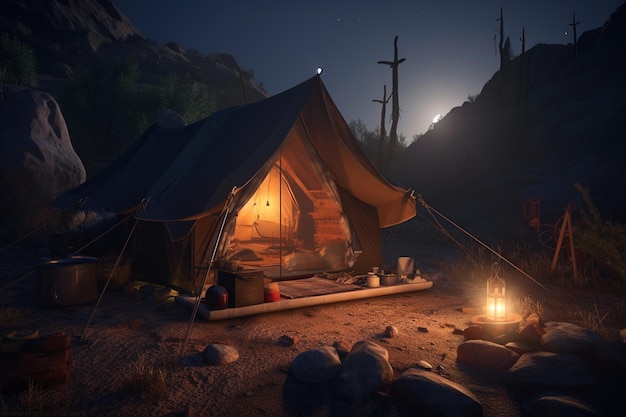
(495, 269)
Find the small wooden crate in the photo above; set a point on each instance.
(45, 361)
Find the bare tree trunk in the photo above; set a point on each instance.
(383, 132)
(395, 109)
(573, 25)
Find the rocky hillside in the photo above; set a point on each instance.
(548, 119)
(67, 35)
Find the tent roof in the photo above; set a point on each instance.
(184, 173)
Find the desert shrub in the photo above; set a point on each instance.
(527, 304)
(10, 314)
(189, 99)
(17, 61)
(146, 380)
(603, 239)
(594, 320)
(106, 109)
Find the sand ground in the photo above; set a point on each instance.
(130, 337)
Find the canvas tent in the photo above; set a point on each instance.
(279, 185)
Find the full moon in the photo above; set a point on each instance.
(437, 118)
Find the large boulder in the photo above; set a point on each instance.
(317, 365)
(486, 355)
(365, 370)
(427, 394)
(37, 162)
(562, 337)
(551, 370)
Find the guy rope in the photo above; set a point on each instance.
(432, 210)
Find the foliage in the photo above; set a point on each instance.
(17, 61)
(369, 140)
(145, 380)
(603, 239)
(106, 108)
(181, 94)
(370, 143)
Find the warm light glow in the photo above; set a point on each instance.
(437, 118)
(496, 298)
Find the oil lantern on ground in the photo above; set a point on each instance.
(496, 295)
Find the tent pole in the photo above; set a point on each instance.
(113, 270)
(206, 274)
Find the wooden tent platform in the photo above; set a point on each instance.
(304, 293)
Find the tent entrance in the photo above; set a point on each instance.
(292, 223)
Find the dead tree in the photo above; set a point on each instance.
(395, 108)
(522, 87)
(383, 132)
(573, 25)
(501, 43)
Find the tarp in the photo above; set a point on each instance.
(182, 178)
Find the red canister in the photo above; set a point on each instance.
(216, 297)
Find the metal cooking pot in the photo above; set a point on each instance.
(69, 281)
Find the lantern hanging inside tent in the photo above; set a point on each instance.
(496, 295)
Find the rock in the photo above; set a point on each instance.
(484, 354)
(342, 348)
(422, 364)
(429, 394)
(365, 370)
(558, 405)
(220, 354)
(518, 347)
(286, 340)
(548, 369)
(316, 365)
(612, 355)
(561, 337)
(391, 331)
(473, 333)
(534, 318)
(169, 118)
(37, 162)
(531, 333)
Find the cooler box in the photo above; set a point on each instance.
(244, 288)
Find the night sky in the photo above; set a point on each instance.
(449, 45)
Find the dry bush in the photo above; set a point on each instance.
(603, 240)
(146, 380)
(594, 320)
(527, 305)
(11, 314)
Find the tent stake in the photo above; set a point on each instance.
(206, 274)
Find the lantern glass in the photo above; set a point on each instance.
(496, 298)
